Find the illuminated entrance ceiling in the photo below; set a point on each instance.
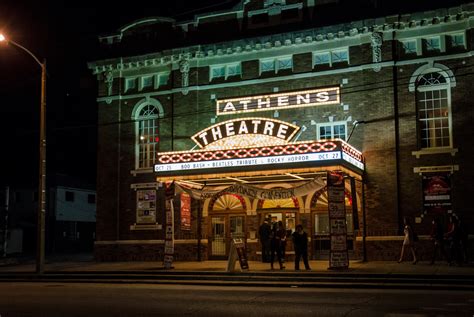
(240, 142)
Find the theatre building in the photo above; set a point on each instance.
(207, 126)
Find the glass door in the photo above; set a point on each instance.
(237, 229)
(218, 236)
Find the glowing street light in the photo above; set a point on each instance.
(42, 160)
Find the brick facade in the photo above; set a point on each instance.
(389, 139)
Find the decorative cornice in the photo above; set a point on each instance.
(256, 81)
(273, 42)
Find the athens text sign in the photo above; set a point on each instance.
(296, 99)
(240, 127)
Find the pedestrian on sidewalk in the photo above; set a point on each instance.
(453, 238)
(409, 240)
(276, 246)
(264, 233)
(300, 243)
(464, 240)
(437, 238)
(282, 234)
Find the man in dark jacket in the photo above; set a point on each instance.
(264, 233)
(300, 243)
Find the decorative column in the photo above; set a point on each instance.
(108, 80)
(376, 42)
(184, 69)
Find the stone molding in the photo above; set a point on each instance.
(265, 43)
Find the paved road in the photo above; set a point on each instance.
(56, 299)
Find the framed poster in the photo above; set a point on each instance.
(436, 193)
(146, 206)
(338, 258)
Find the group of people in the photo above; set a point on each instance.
(455, 238)
(273, 239)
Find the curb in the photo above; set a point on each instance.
(251, 280)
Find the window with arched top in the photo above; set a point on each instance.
(148, 136)
(433, 100)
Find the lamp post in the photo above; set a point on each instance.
(40, 241)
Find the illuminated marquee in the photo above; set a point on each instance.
(293, 153)
(296, 99)
(245, 126)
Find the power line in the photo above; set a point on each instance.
(348, 90)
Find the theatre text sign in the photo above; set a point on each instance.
(276, 101)
(241, 127)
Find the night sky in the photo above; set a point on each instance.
(66, 35)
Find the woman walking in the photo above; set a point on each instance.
(408, 241)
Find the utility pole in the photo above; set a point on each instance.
(42, 177)
(5, 237)
(40, 246)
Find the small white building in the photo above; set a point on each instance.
(70, 218)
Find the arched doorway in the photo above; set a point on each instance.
(284, 210)
(227, 216)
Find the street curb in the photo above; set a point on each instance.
(422, 286)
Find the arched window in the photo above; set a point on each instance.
(148, 136)
(433, 101)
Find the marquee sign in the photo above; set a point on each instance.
(280, 155)
(296, 99)
(245, 126)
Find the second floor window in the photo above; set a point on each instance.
(332, 130)
(457, 40)
(276, 64)
(433, 44)
(146, 82)
(434, 110)
(130, 84)
(147, 135)
(331, 58)
(409, 47)
(225, 71)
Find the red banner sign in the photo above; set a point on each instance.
(185, 211)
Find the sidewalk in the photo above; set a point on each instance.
(87, 264)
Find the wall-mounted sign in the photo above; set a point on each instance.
(339, 257)
(185, 211)
(169, 232)
(286, 100)
(146, 206)
(437, 193)
(246, 126)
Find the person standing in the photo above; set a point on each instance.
(408, 241)
(276, 246)
(282, 235)
(437, 237)
(264, 233)
(300, 243)
(463, 240)
(452, 236)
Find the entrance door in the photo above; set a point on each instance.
(237, 227)
(218, 236)
(224, 228)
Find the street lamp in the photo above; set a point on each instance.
(40, 243)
